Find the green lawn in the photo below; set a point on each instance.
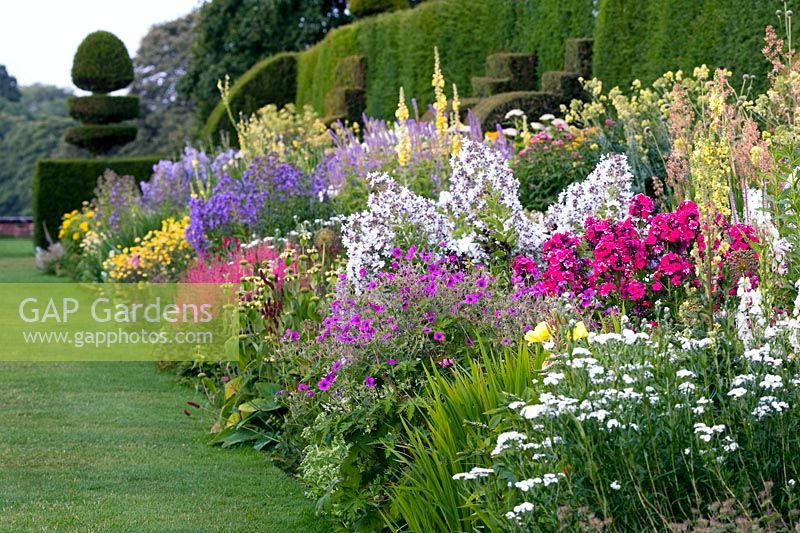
(106, 447)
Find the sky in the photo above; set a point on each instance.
(38, 38)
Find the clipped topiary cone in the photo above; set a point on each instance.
(102, 65)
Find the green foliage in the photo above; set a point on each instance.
(102, 64)
(642, 40)
(554, 158)
(351, 72)
(366, 8)
(29, 129)
(8, 86)
(345, 103)
(59, 186)
(100, 138)
(521, 68)
(457, 413)
(24, 143)
(398, 46)
(564, 83)
(103, 109)
(272, 81)
(233, 35)
(167, 120)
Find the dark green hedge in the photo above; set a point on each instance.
(365, 8)
(636, 39)
(271, 81)
(61, 185)
(100, 138)
(399, 46)
(103, 109)
(102, 63)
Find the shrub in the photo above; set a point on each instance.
(365, 8)
(271, 81)
(103, 109)
(102, 64)
(62, 185)
(100, 138)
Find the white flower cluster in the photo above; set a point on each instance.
(750, 321)
(475, 473)
(524, 507)
(484, 193)
(605, 193)
(370, 236)
(480, 211)
(758, 216)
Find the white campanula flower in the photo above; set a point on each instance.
(615, 485)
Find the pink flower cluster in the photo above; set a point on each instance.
(635, 260)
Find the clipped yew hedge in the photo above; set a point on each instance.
(398, 50)
(61, 185)
(642, 40)
(103, 109)
(398, 46)
(100, 138)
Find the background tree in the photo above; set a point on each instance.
(163, 58)
(233, 35)
(8, 86)
(30, 128)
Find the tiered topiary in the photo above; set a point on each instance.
(510, 83)
(102, 65)
(366, 8)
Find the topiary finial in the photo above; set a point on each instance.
(102, 64)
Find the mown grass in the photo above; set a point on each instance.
(106, 447)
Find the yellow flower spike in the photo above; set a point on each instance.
(579, 331)
(539, 334)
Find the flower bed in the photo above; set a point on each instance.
(425, 351)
